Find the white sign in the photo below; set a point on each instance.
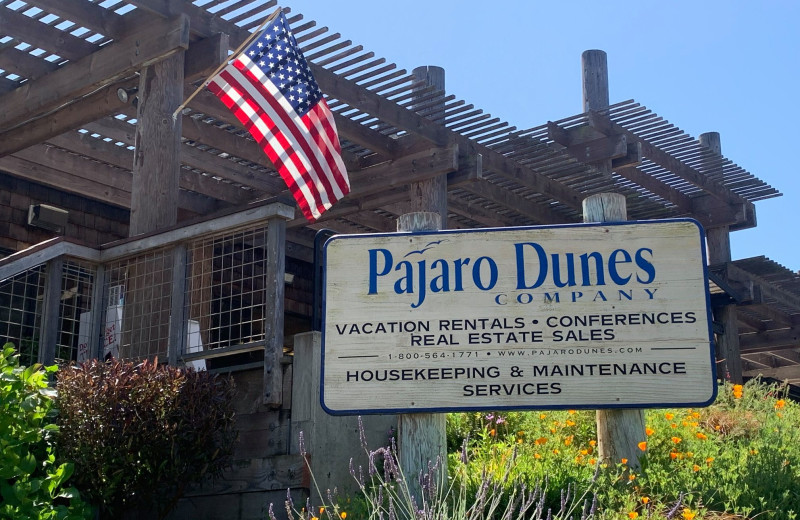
(572, 316)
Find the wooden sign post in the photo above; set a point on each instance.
(421, 437)
(619, 431)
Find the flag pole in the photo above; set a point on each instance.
(222, 65)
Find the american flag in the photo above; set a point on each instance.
(270, 90)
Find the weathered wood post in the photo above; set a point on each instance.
(51, 307)
(729, 358)
(154, 205)
(594, 66)
(421, 436)
(618, 431)
(157, 158)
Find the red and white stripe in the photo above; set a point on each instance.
(305, 150)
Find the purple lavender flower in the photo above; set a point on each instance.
(361, 433)
(674, 511)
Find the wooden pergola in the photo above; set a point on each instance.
(68, 91)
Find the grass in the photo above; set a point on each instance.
(737, 459)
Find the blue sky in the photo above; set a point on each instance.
(724, 66)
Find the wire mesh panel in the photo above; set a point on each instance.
(74, 342)
(225, 290)
(139, 292)
(21, 298)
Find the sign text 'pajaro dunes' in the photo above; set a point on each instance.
(594, 315)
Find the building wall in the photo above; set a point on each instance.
(89, 221)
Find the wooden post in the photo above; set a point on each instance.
(176, 345)
(595, 80)
(430, 195)
(98, 313)
(594, 64)
(421, 436)
(718, 239)
(618, 431)
(274, 304)
(157, 159)
(51, 307)
(154, 201)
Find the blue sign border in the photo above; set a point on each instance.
(539, 407)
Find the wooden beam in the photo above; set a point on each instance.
(767, 289)
(89, 15)
(41, 35)
(780, 373)
(655, 186)
(785, 357)
(203, 56)
(687, 173)
(24, 64)
(107, 65)
(478, 214)
(6, 85)
(714, 189)
(200, 57)
(750, 322)
(199, 159)
(406, 170)
(74, 174)
(235, 146)
(122, 158)
(85, 144)
(760, 360)
(770, 340)
(66, 181)
(365, 136)
(508, 199)
(771, 316)
(370, 219)
(345, 207)
(90, 108)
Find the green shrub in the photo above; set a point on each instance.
(32, 483)
(738, 458)
(139, 434)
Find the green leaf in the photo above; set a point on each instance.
(8, 493)
(28, 463)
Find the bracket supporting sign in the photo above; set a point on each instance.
(573, 316)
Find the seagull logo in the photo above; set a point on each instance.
(429, 245)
